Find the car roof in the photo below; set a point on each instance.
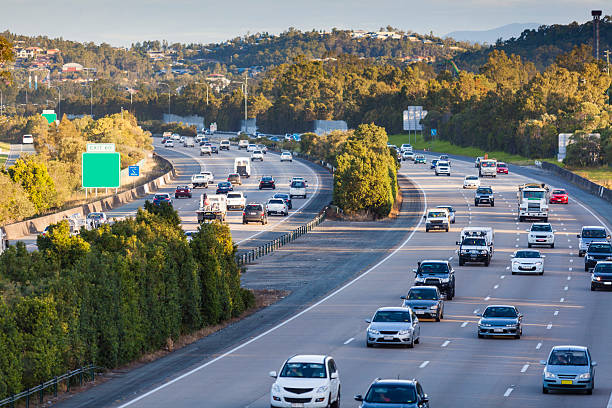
(307, 358)
(541, 223)
(445, 206)
(593, 227)
(424, 287)
(392, 309)
(394, 381)
(530, 249)
(434, 261)
(511, 306)
(569, 347)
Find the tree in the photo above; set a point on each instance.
(6, 56)
(32, 175)
(14, 203)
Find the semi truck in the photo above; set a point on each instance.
(533, 201)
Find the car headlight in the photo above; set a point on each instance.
(596, 278)
(483, 251)
(434, 307)
(419, 279)
(276, 388)
(445, 280)
(373, 331)
(322, 389)
(549, 375)
(404, 332)
(484, 324)
(584, 376)
(538, 263)
(511, 325)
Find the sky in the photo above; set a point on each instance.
(123, 22)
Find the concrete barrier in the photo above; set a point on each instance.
(36, 225)
(581, 182)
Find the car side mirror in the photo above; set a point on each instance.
(414, 270)
(403, 297)
(479, 314)
(368, 321)
(359, 397)
(333, 376)
(272, 374)
(425, 398)
(578, 236)
(594, 363)
(543, 362)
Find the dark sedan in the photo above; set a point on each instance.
(425, 301)
(602, 276)
(267, 182)
(182, 191)
(254, 212)
(286, 198)
(433, 163)
(597, 252)
(162, 198)
(214, 149)
(500, 320)
(224, 187)
(394, 393)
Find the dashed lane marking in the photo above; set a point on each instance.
(424, 364)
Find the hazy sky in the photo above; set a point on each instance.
(124, 22)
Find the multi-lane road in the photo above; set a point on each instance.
(454, 366)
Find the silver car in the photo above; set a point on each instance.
(393, 325)
(569, 368)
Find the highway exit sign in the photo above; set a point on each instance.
(101, 170)
(100, 147)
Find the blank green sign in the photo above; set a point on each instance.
(101, 170)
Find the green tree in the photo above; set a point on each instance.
(32, 175)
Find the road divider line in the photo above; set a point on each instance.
(446, 343)
(487, 298)
(496, 286)
(538, 346)
(464, 324)
(525, 367)
(556, 313)
(508, 392)
(549, 326)
(561, 300)
(566, 288)
(502, 277)
(569, 278)
(424, 364)
(349, 340)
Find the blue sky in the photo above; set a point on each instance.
(128, 21)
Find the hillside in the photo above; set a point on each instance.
(491, 36)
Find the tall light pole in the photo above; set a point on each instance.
(168, 85)
(91, 100)
(59, 103)
(607, 53)
(1, 106)
(204, 83)
(246, 76)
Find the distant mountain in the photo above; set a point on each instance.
(490, 36)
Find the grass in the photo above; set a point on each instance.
(601, 175)
(5, 146)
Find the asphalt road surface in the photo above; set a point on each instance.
(455, 367)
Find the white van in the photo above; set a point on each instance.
(27, 139)
(297, 189)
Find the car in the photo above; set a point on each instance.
(168, 143)
(433, 163)
(590, 233)
(224, 187)
(597, 252)
(420, 159)
(182, 139)
(267, 182)
(263, 148)
(474, 246)
(45, 232)
(254, 212)
(444, 157)
(224, 145)
(257, 155)
(394, 393)
(27, 139)
(601, 278)
(298, 179)
(285, 197)
(484, 195)
(236, 200)
(162, 198)
(214, 149)
(442, 167)
(393, 325)
(189, 142)
(306, 381)
(175, 136)
(234, 178)
(527, 261)
(502, 168)
(500, 320)
(209, 176)
(477, 162)
(251, 147)
(204, 142)
(437, 218)
(436, 273)
(297, 189)
(558, 196)
(451, 212)
(406, 147)
(190, 234)
(243, 144)
(407, 155)
(286, 156)
(471, 182)
(277, 206)
(182, 191)
(95, 219)
(199, 180)
(568, 368)
(205, 150)
(425, 301)
(541, 233)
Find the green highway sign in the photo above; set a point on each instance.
(101, 170)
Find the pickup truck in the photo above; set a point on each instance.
(212, 207)
(205, 150)
(277, 206)
(199, 180)
(236, 200)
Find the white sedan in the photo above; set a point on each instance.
(257, 155)
(286, 156)
(528, 261)
(471, 182)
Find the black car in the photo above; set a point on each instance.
(394, 393)
(254, 212)
(425, 301)
(285, 197)
(433, 163)
(436, 273)
(602, 276)
(484, 195)
(224, 187)
(214, 149)
(267, 182)
(597, 251)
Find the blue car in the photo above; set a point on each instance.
(224, 187)
(394, 394)
(568, 368)
(433, 163)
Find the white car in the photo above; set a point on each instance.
(168, 143)
(205, 150)
(312, 380)
(442, 167)
(176, 136)
(189, 142)
(236, 200)
(297, 189)
(199, 180)
(406, 147)
(243, 144)
(277, 206)
(182, 139)
(251, 147)
(263, 148)
(541, 233)
(210, 177)
(257, 155)
(27, 139)
(471, 182)
(528, 261)
(224, 145)
(407, 155)
(286, 156)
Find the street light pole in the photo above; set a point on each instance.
(59, 102)
(168, 85)
(91, 100)
(204, 83)
(246, 73)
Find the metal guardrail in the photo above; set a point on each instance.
(86, 373)
(284, 239)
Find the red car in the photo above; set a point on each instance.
(182, 191)
(502, 168)
(559, 196)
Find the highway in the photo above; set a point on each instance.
(188, 162)
(453, 365)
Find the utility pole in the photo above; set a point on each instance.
(1, 102)
(607, 53)
(168, 85)
(59, 103)
(246, 91)
(91, 100)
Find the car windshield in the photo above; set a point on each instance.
(434, 161)
(474, 242)
(276, 202)
(605, 248)
(603, 268)
(257, 152)
(283, 196)
(471, 178)
(234, 195)
(534, 194)
(253, 207)
(593, 233)
(391, 394)
(484, 191)
(558, 192)
(568, 358)
(160, 196)
(527, 254)
(422, 294)
(95, 216)
(303, 370)
(434, 267)
(389, 316)
(223, 185)
(501, 165)
(298, 184)
(450, 209)
(541, 227)
(496, 311)
(442, 163)
(436, 214)
(266, 179)
(488, 164)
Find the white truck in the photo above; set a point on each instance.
(212, 207)
(199, 180)
(243, 144)
(236, 200)
(476, 245)
(533, 201)
(242, 166)
(189, 142)
(488, 167)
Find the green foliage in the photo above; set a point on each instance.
(163, 210)
(32, 175)
(14, 203)
(11, 369)
(6, 55)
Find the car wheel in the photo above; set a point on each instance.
(245, 222)
(480, 336)
(518, 336)
(580, 253)
(476, 203)
(426, 229)
(411, 344)
(418, 340)
(552, 245)
(461, 262)
(438, 317)
(450, 296)
(492, 203)
(589, 392)
(528, 245)
(268, 213)
(487, 262)
(544, 390)
(368, 344)
(446, 229)
(586, 268)
(337, 403)
(286, 213)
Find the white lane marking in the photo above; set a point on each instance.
(424, 364)
(464, 324)
(476, 311)
(292, 318)
(562, 300)
(516, 246)
(525, 367)
(609, 402)
(349, 340)
(571, 260)
(502, 277)
(569, 277)
(570, 269)
(549, 326)
(446, 343)
(507, 267)
(496, 286)
(508, 392)
(566, 288)
(538, 346)
(517, 239)
(487, 298)
(556, 313)
(570, 247)
(450, 259)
